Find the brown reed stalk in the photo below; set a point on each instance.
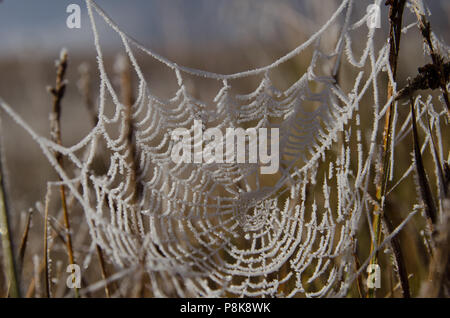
(6, 237)
(395, 18)
(55, 125)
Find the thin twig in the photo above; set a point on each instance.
(58, 94)
(103, 269)
(25, 235)
(425, 191)
(42, 265)
(46, 249)
(396, 247)
(84, 86)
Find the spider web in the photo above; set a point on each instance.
(224, 229)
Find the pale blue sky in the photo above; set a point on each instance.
(39, 25)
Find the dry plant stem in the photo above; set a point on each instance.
(439, 275)
(103, 270)
(395, 18)
(42, 265)
(58, 94)
(402, 273)
(425, 190)
(45, 258)
(438, 61)
(57, 234)
(84, 86)
(24, 241)
(443, 191)
(98, 250)
(395, 288)
(359, 283)
(6, 237)
(439, 269)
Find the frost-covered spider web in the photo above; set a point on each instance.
(224, 229)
